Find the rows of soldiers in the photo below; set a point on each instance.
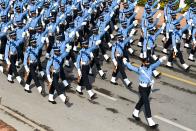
(78, 32)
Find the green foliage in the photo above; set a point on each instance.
(163, 2)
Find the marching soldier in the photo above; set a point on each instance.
(11, 55)
(92, 42)
(83, 67)
(30, 64)
(176, 42)
(145, 85)
(53, 69)
(117, 57)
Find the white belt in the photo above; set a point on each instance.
(11, 53)
(50, 34)
(144, 85)
(84, 63)
(31, 61)
(170, 30)
(56, 71)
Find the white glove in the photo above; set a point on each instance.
(115, 62)
(175, 50)
(79, 73)
(190, 21)
(90, 11)
(8, 61)
(91, 55)
(49, 79)
(163, 58)
(145, 54)
(112, 14)
(68, 48)
(26, 68)
(158, 16)
(137, 9)
(167, 36)
(98, 42)
(135, 22)
(184, 14)
(158, 6)
(107, 27)
(125, 61)
(77, 34)
(163, 26)
(23, 34)
(84, 23)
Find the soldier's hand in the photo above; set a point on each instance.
(68, 48)
(115, 62)
(98, 42)
(49, 79)
(8, 61)
(27, 69)
(79, 73)
(125, 60)
(175, 50)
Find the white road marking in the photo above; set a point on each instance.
(106, 96)
(30, 123)
(173, 123)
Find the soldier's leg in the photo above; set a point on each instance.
(62, 76)
(86, 82)
(35, 77)
(103, 51)
(180, 56)
(14, 69)
(114, 74)
(51, 94)
(28, 82)
(122, 71)
(170, 59)
(58, 88)
(191, 56)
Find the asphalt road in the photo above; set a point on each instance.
(172, 103)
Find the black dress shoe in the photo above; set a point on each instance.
(114, 83)
(43, 93)
(187, 69)
(91, 74)
(154, 126)
(66, 100)
(191, 60)
(108, 60)
(80, 93)
(10, 81)
(136, 118)
(28, 91)
(129, 85)
(103, 76)
(94, 96)
(53, 102)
